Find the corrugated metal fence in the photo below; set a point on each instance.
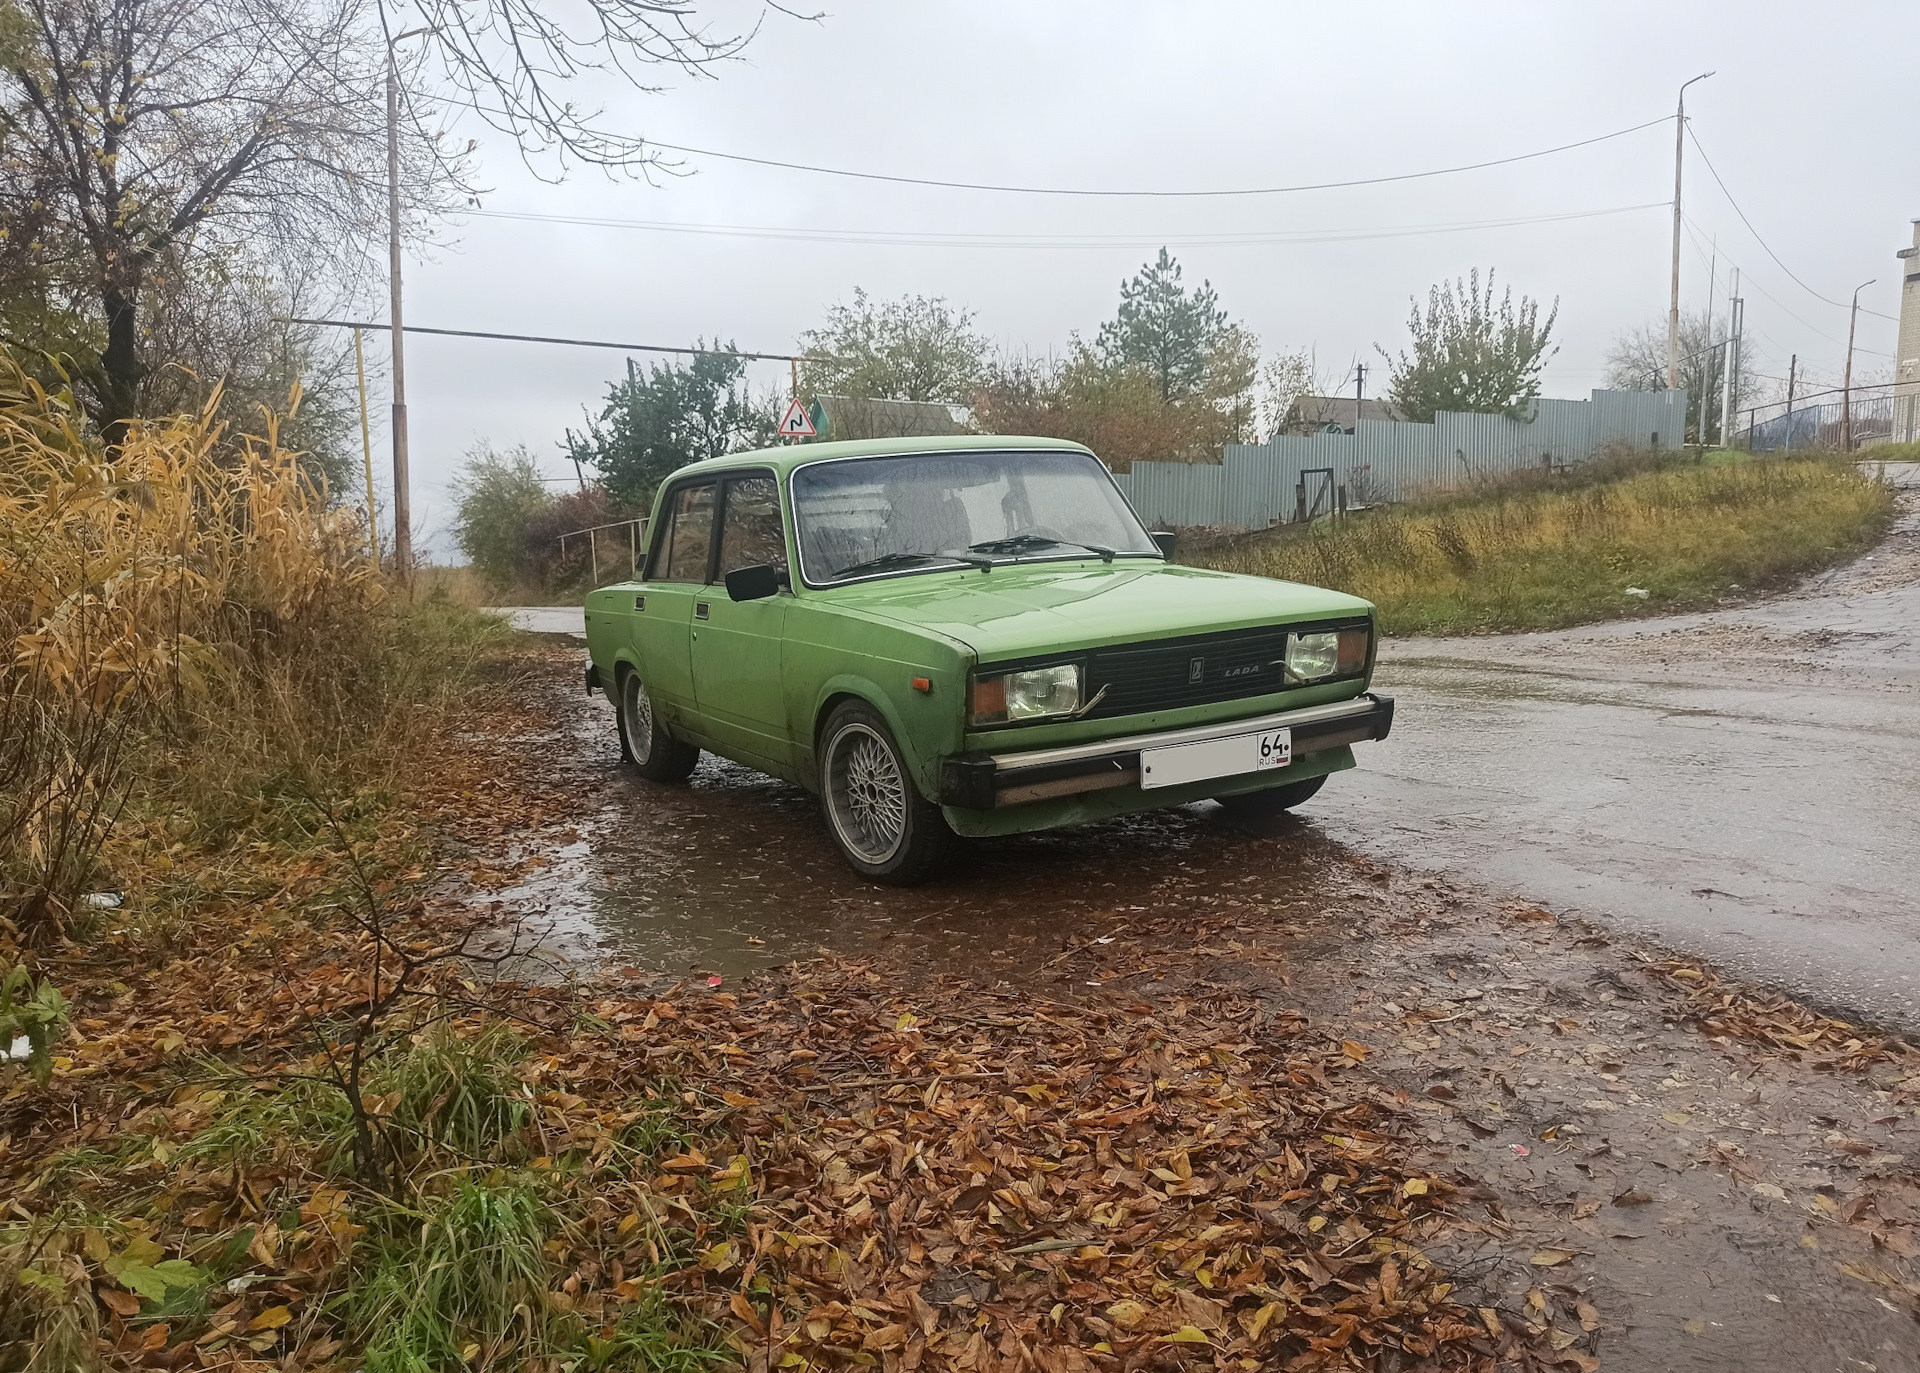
(1259, 484)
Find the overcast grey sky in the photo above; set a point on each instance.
(1812, 120)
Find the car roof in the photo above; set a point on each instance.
(789, 456)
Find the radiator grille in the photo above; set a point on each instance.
(1198, 670)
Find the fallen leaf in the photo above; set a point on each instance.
(744, 1312)
(1550, 1258)
(1186, 1334)
(1589, 1317)
(1631, 1197)
(1128, 1315)
(271, 1319)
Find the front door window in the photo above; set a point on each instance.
(750, 533)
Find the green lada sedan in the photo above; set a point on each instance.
(967, 636)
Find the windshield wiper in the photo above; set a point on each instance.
(1014, 543)
(885, 560)
(889, 560)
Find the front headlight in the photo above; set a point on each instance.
(1327, 653)
(1033, 694)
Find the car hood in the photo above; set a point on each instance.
(1022, 609)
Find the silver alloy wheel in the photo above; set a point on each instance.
(866, 793)
(636, 711)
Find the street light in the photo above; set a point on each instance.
(1673, 307)
(1846, 386)
(402, 501)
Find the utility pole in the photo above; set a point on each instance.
(1786, 435)
(1705, 354)
(402, 499)
(1359, 392)
(1673, 307)
(1846, 386)
(1736, 310)
(366, 449)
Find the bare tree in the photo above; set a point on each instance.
(137, 131)
(1637, 361)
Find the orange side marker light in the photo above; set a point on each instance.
(923, 684)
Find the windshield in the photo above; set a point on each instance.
(866, 516)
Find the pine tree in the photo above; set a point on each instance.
(1161, 327)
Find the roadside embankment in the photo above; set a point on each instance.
(1607, 540)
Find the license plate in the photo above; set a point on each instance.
(1229, 757)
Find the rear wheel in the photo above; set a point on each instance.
(644, 740)
(1262, 805)
(884, 827)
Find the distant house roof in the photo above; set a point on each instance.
(1313, 414)
(860, 417)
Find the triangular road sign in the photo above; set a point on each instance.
(797, 423)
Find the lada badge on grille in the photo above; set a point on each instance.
(1196, 669)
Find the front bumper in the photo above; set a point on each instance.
(988, 781)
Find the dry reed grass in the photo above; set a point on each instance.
(186, 619)
(1534, 555)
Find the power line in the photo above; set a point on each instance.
(1837, 304)
(1085, 191)
(907, 238)
(572, 342)
(1693, 233)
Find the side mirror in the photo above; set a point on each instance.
(1166, 538)
(755, 583)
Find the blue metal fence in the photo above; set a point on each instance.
(1824, 426)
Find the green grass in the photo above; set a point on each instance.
(465, 1282)
(1529, 553)
(460, 1094)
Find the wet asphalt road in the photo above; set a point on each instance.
(1743, 785)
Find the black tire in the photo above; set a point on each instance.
(886, 830)
(1264, 805)
(644, 741)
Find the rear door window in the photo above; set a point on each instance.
(686, 547)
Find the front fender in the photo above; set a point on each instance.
(914, 726)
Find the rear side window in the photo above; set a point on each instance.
(688, 539)
(750, 532)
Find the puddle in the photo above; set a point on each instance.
(735, 873)
(665, 888)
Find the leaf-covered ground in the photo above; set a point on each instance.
(1374, 1123)
(972, 1178)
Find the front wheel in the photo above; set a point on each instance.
(884, 827)
(1264, 805)
(644, 741)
